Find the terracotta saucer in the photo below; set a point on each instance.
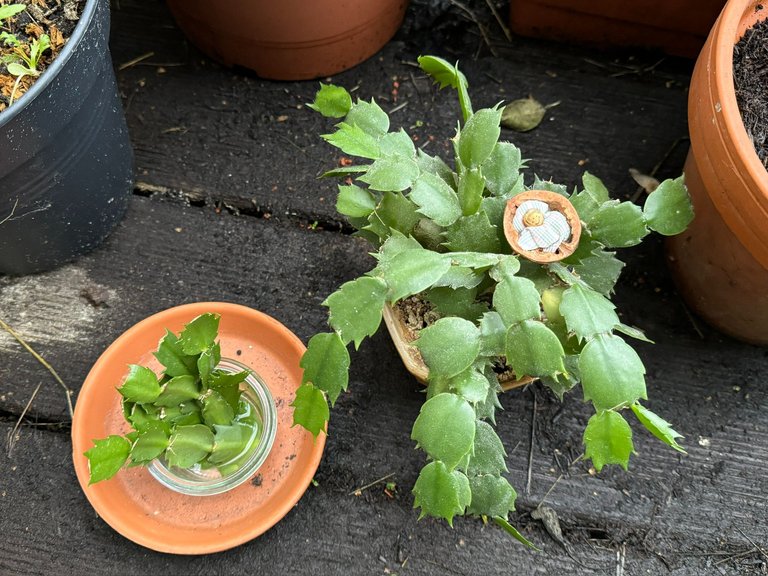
(134, 503)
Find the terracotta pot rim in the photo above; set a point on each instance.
(123, 501)
(731, 173)
(726, 33)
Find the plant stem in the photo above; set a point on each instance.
(357, 491)
(530, 450)
(15, 87)
(42, 361)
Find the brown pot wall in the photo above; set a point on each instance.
(715, 273)
(289, 39)
(721, 262)
(678, 27)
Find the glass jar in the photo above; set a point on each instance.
(199, 481)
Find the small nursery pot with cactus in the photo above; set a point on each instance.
(518, 276)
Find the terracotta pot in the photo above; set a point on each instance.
(289, 39)
(721, 262)
(402, 336)
(144, 510)
(678, 27)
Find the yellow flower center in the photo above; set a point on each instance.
(533, 218)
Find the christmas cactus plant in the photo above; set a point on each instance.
(517, 275)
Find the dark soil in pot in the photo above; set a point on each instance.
(24, 37)
(750, 78)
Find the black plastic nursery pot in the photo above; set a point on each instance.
(66, 164)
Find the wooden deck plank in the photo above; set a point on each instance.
(208, 133)
(163, 254)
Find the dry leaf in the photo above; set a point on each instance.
(57, 38)
(34, 30)
(70, 10)
(551, 523)
(647, 183)
(523, 115)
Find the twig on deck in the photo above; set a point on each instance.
(657, 167)
(474, 19)
(550, 489)
(500, 21)
(12, 433)
(42, 361)
(567, 471)
(360, 490)
(692, 320)
(620, 559)
(530, 448)
(736, 556)
(399, 107)
(758, 548)
(135, 61)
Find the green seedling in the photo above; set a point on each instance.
(20, 63)
(6, 12)
(8, 39)
(11, 10)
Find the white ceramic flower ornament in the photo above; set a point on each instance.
(542, 226)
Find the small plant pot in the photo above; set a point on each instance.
(720, 263)
(402, 336)
(678, 27)
(66, 165)
(291, 39)
(162, 508)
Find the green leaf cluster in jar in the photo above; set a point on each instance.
(194, 416)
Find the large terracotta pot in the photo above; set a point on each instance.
(289, 39)
(721, 262)
(678, 27)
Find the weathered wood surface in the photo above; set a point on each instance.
(214, 138)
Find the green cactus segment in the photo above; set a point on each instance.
(441, 493)
(326, 368)
(612, 374)
(445, 429)
(608, 440)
